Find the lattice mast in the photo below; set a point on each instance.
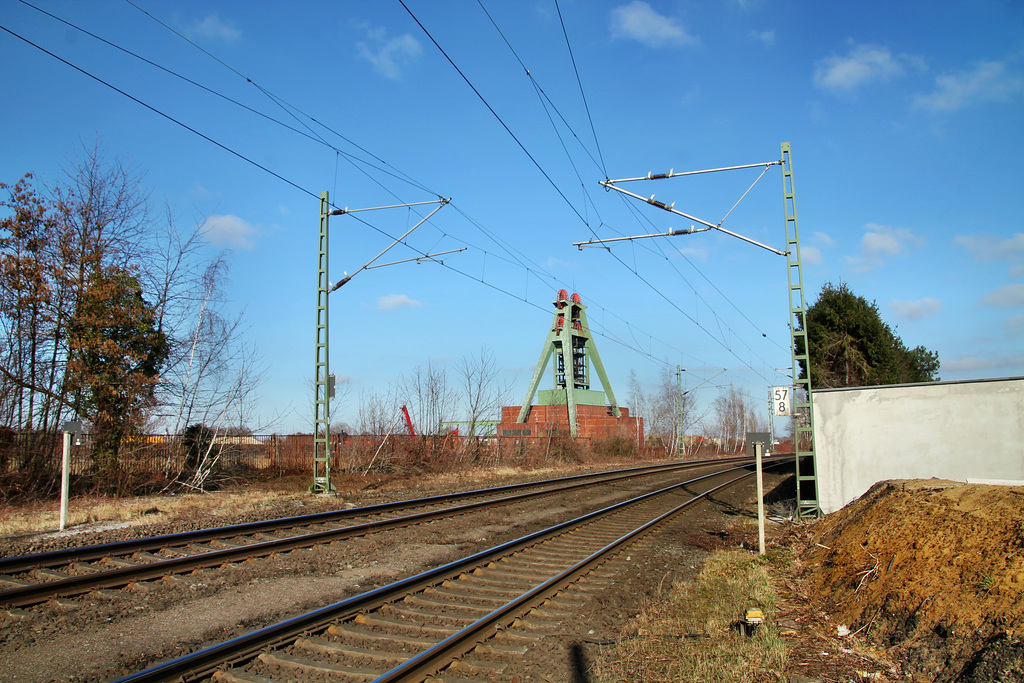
(807, 486)
(322, 398)
(803, 417)
(571, 344)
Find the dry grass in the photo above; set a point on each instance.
(241, 498)
(45, 516)
(248, 496)
(692, 633)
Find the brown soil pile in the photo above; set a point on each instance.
(933, 570)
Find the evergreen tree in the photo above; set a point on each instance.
(116, 352)
(850, 345)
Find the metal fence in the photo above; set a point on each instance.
(164, 455)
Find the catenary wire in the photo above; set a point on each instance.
(545, 98)
(350, 158)
(283, 179)
(634, 269)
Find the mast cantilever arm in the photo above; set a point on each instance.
(440, 202)
(672, 232)
(418, 259)
(610, 184)
(673, 174)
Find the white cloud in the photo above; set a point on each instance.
(766, 38)
(864, 64)
(1009, 296)
(388, 55)
(991, 247)
(392, 301)
(200, 191)
(984, 364)
(824, 238)
(640, 22)
(916, 310)
(695, 252)
(212, 28)
(986, 82)
(230, 231)
(879, 242)
(811, 256)
(1017, 271)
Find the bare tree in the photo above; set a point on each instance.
(483, 393)
(378, 413)
(669, 410)
(640, 403)
(430, 397)
(734, 416)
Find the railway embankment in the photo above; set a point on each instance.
(930, 571)
(918, 580)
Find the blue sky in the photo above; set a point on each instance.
(905, 121)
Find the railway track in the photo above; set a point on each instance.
(32, 579)
(415, 628)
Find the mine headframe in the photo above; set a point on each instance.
(571, 343)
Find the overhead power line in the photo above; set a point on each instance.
(161, 113)
(397, 175)
(547, 176)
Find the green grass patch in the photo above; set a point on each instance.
(692, 633)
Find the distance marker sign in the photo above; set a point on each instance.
(782, 401)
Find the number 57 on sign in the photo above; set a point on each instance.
(782, 401)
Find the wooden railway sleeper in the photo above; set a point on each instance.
(392, 623)
(315, 646)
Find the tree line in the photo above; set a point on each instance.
(110, 315)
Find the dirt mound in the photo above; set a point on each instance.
(933, 570)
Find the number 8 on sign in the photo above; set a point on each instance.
(781, 401)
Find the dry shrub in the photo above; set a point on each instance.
(617, 447)
(564, 450)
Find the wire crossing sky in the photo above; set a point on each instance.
(904, 120)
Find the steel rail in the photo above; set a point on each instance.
(435, 658)
(98, 551)
(202, 662)
(74, 585)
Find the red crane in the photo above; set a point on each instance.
(408, 421)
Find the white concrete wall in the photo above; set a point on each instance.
(949, 430)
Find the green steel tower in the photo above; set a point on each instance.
(803, 418)
(571, 343)
(322, 398)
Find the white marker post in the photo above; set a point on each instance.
(71, 428)
(760, 498)
(65, 479)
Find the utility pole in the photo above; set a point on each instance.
(324, 382)
(807, 496)
(803, 435)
